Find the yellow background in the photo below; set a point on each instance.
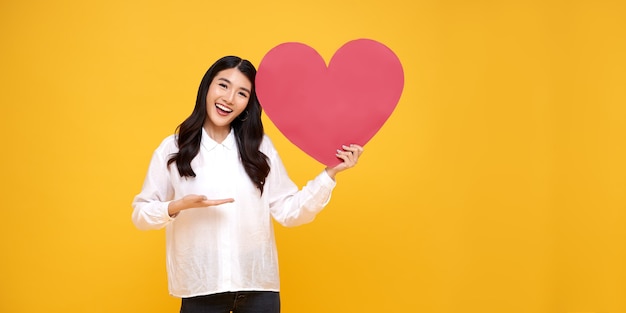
(497, 185)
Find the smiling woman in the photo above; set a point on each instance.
(211, 187)
(497, 185)
(226, 99)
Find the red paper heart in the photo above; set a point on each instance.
(321, 108)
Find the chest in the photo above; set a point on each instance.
(219, 174)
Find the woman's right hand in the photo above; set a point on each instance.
(193, 201)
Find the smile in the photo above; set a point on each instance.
(223, 108)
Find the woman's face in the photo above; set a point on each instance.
(227, 97)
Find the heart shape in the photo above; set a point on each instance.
(320, 108)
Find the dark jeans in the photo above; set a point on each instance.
(236, 302)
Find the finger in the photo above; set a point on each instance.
(358, 150)
(348, 159)
(344, 155)
(194, 199)
(218, 201)
(355, 152)
(221, 201)
(348, 152)
(345, 160)
(355, 149)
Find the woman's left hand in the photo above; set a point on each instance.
(350, 156)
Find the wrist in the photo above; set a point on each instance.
(173, 208)
(331, 173)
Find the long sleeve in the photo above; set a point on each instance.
(290, 206)
(150, 206)
(230, 246)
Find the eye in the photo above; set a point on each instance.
(243, 94)
(223, 85)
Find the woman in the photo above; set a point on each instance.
(215, 187)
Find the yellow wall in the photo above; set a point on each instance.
(498, 184)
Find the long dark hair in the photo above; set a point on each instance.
(247, 126)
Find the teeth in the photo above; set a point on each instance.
(223, 108)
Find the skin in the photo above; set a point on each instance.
(227, 97)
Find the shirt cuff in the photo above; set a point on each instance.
(169, 217)
(325, 180)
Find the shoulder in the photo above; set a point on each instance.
(267, 146)
(168, 145)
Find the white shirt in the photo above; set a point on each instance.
(229, 247)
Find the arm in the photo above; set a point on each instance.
(150, 206)
(350, 156)
(293, 207)
(193, 201)
(154, 206)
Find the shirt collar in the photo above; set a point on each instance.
(209, 144)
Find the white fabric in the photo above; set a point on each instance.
(229, 247)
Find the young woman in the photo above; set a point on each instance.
(215, 187)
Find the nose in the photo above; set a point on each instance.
(229, 96)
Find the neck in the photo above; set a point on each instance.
(217, 133)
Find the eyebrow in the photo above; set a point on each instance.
(242, 88)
